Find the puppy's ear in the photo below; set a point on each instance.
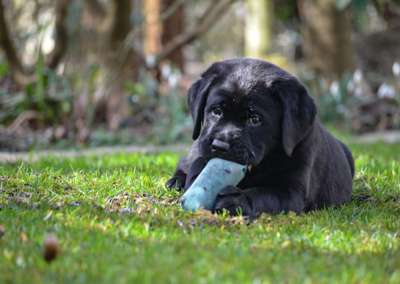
(299, 112)
(197, 97)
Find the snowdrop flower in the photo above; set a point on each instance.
(358, 76)
(386, 91)
(334, 90)
(396, 69)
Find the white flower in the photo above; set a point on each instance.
(357, 76)
(334, 90)
(386, 91)
(396, 69)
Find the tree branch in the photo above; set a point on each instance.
(167, 13)
(210, 16)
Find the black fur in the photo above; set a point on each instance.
(264, 117)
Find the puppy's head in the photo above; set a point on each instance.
(244, 108)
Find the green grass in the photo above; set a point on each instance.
(116, 223)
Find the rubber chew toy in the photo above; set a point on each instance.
(216, 175)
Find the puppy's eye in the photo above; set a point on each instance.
(254, 119)
(217, 111)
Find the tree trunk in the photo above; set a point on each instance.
(153, 28)
(327, 37)
(172, 26)
(120, 65)
(22, 74)
(211, 15)
(61, 34)
(258, 28)
(8, 45)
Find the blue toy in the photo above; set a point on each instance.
(216, 175)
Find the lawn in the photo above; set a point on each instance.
(116, 223)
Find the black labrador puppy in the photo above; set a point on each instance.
(254, 113)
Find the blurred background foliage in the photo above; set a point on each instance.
(97, 72)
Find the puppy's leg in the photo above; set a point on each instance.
(185, 175)
(178, 179)
(195, 169)
(254, 201)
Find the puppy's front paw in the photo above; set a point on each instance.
(234, 201)
(176, 182)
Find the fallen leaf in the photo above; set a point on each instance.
(48, 216)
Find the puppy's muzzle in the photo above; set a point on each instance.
(220, 146)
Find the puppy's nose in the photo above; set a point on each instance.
(219, 145)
